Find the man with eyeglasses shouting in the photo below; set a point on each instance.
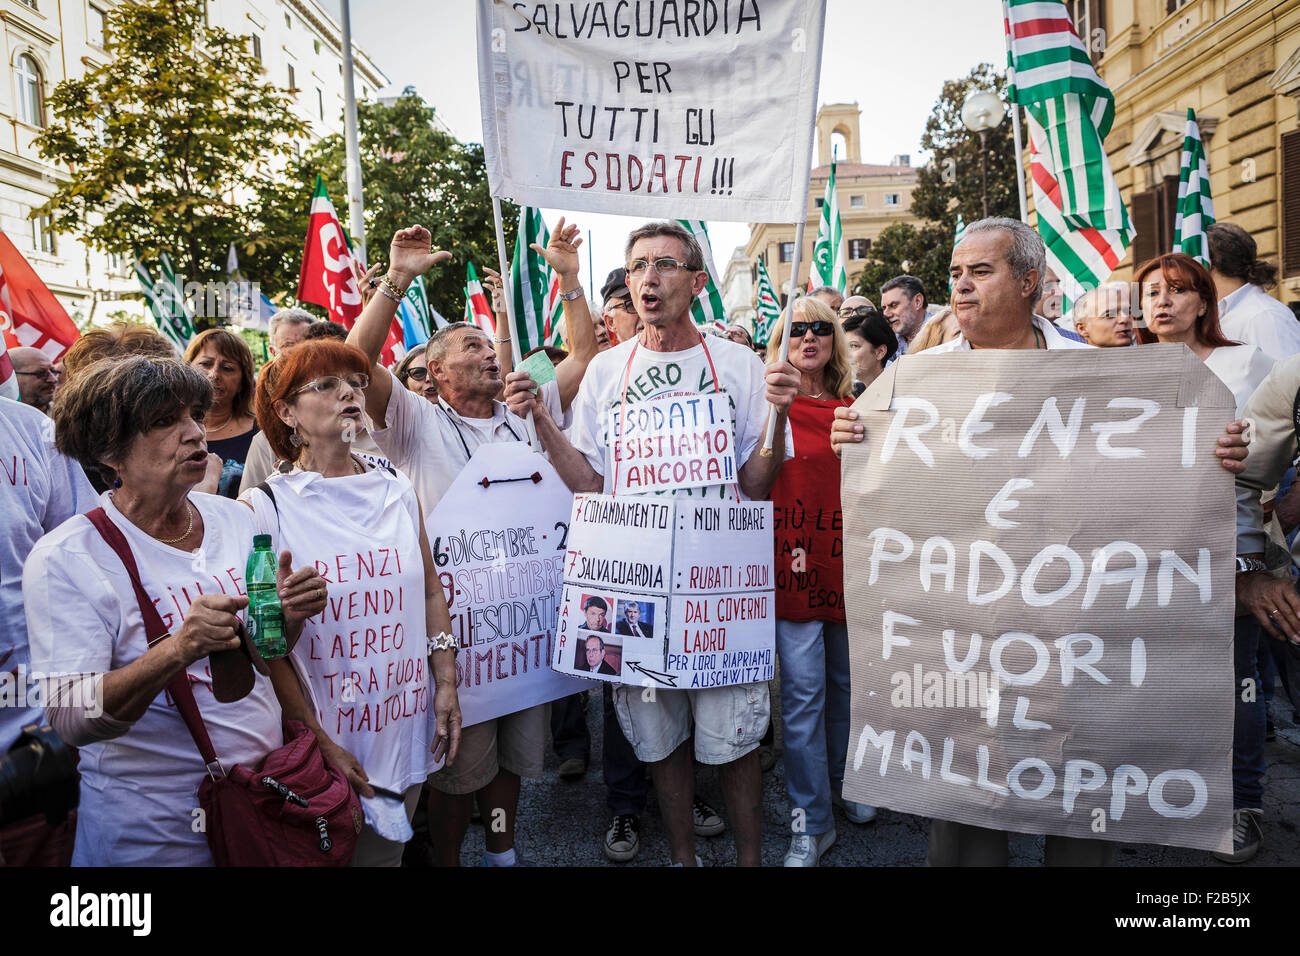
(665, 272)
(37, 378)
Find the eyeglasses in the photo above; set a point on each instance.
(623, 305)
(330, 383)
(665, 267)
(417, 373)
(799, 329)
(863, 310)
(43, 373)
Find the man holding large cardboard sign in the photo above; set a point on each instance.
(998, 682)
(669, 362)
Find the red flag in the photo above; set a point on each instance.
(326, 278)
(476, 302)
(29, 313)
(8, 381)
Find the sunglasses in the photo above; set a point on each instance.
(799, 329)
(328, 384)
(418, 373)
(863, 310)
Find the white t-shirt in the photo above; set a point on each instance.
(1241, 368)
(653, 374)
(1253, 316)
(39, 490)
(431, 443)
(139, 791)
(260, 462)
(365, 656)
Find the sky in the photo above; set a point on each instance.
(892, 58)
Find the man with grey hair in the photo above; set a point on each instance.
(1104, 317)
(287, 328)
(830, 295)
(902, 301)
(36, 377)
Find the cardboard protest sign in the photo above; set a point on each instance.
(498, 541)
(667, 591)
(677, 441)
(698, 110)
(1040, 589)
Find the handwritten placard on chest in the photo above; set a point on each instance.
(678, 441)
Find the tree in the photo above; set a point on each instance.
(951, 182)
(948, 185)
(925, 252)
(412, 172)
(167, 140)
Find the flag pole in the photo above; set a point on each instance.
(785, 327)
(356, 204)
(508, 293)
(1015, 118)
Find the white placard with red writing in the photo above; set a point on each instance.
(677, 441)
(697, 110)
(668, 592)
(499, 549)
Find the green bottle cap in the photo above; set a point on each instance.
(262, 542)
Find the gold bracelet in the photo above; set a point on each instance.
(384, 291)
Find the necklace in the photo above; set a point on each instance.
(818, 395)
(217, 428)
(190, 508)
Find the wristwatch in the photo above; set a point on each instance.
(1245, 565)
(570, 296)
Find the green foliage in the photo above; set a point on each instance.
(925, 250)
(166, 140)
(949, 185)
(412, 173)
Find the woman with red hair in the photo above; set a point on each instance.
(380, 698)
(1179, 304)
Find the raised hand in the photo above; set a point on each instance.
(412, 254)
(561, 252)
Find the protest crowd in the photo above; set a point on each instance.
(291, 612)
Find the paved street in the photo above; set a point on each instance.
(563, 824)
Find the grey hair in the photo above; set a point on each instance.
(1026, 252)
(694, 254)
(826, 290)
(291, 316)
(435, 350)
(1090, 303)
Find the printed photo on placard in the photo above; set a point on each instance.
(598, 654)
(636, 619)
(597, 609)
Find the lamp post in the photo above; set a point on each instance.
(981, 113)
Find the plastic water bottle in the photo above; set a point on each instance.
(265, 617)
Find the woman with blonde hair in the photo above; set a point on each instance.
(812, 639)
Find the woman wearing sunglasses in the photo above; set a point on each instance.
(413, 372)
(380, 698)
(812, 639)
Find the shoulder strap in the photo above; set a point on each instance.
(265, 488)
(155, 631)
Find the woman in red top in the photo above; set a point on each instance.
(812, 639)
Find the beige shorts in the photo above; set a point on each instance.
(515, 742)
(729, 721)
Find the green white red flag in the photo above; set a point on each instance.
(768, 308)
(326, 277)
(707, 309)
(830, 255)
(477, 309)
(538, 309)
(30, 315)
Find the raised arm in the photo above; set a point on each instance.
(561, 253)
(410, 255)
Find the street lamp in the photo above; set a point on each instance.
(982, 112)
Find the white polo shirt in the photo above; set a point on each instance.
(1052, 337)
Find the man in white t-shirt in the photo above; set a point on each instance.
(665, 273)
(1246, 312)
(431, 443)
(39, 490)
(997, 272)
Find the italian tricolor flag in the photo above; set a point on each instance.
(477, 309)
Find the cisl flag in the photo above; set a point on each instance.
(326, 278)
(29, 313)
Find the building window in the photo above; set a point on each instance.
(95, 25)
(1173, 6)
(859, 248)
(787, 252)
(28, 3)
(1291, 204)
(292, 84)
(1153, 218)
(114, 263)
(857, 202)
(42, 235)
(31, 105)
(320, 102)
(819, 201)
(257, 47)
(891, 199)
(1089, 23)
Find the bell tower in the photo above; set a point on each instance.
(839, 118)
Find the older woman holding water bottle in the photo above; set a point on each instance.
(139, 423)
(381, 699)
